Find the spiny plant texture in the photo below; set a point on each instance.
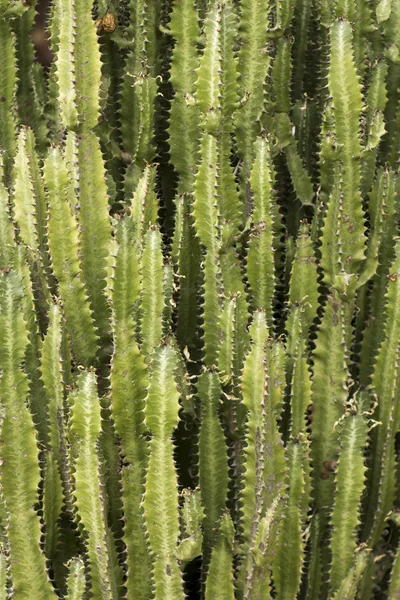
(200, 300)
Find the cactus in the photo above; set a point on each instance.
(199, 300)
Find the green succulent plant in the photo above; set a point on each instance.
(200, 300)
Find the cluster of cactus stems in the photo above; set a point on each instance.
(200, 300)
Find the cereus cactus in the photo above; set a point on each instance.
(200, 300)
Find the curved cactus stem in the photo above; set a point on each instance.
(52, 377)
(52, 504)
(188, 269)
(380, 198)
(19, 473)
(282, 74)
(394, 589)
(52, 106)
(160, 502)
(64, 31)
(126, 280)
(276, 363)
(326, 167)
(139, 89)
(193, 515)
(111, 466)
(258, 578)
(76, 580)
(301, 180)
(254, 384)
(205, 213)
(30, 107)
(144, 205)
(32, 355)
(184, 114)
(314, 571)
(375, 326)
(152, 301)
(283, 16)
(88, 490)
(331, 239)
(169, 289)
(219, 582)
(263, 480)
(305, 116)
(385, 385)
(351, 583)
(364, 26)
(303, 20)
(391, 41)
(64, 250)
(184, 148)
(376, 100)
(24, 201)
(87, 64)
(95, 228)
(226, 352)
(163, 388)
(233, 286)
(70, 154)
(290, 554)
(7, 234)
(205, 205)
(29, 208)
(129, 382)
(253, 67)
(208, 85)
(229, 65)
(329, 395)
(300, 388)
(143, 151)
(211, 309)
(213, 459)
(230, 205)
(33, 167)
(303, 286)
(265, 219)
(3, 574)
(8, 83)
(349, 488)
(345, 89)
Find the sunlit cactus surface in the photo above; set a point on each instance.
(199, 299)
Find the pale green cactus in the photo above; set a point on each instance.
(19, 473)
(85, 427)
(161, 491)
(3, 575)
(199, 300)
(76, 579)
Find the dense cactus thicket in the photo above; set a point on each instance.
(200, 300)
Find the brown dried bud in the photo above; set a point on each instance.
(108, 23)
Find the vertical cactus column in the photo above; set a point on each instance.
(161, 494)
(19, 474)
(85, 427)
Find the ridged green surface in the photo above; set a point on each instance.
(199, 300)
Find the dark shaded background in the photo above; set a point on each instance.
(39, 34)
